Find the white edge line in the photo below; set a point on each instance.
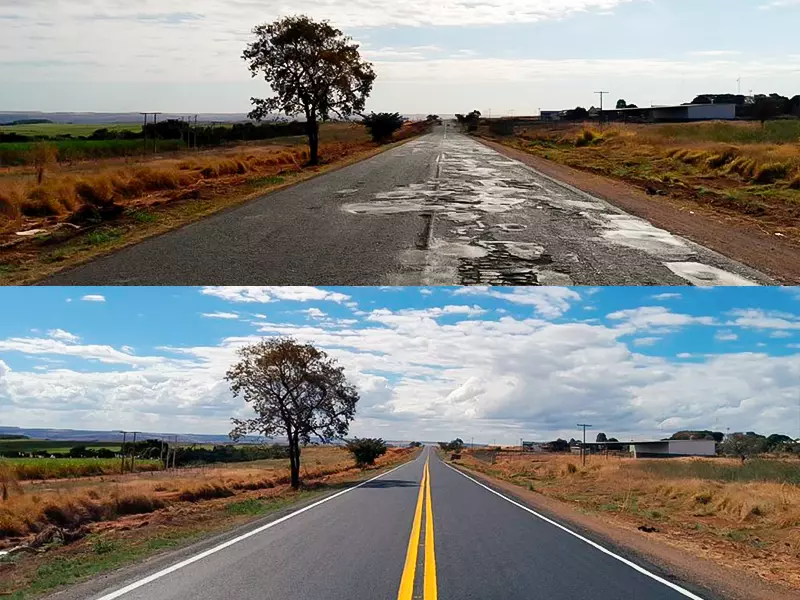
(215, 549)
(633, 565)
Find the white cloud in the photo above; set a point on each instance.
(646, 341)
(93, 298)
(425, 291)
(780, 334)
(315, 313)
(264, 294)
(65, 336)
(779, 4)
(715, 53)
(666, 296)
(648, 317)
(221, 315)
(726, 336)
(753, 318)
(550, 302)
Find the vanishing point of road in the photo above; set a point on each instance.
(423, 530)
(443, 209)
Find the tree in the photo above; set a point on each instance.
(743, 445)
(366, 450)
(381, 126)
(601, 437)
(295, 390)
(434, 119)
(312, 68)
(621, 103)
(777, 441)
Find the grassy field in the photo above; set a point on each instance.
(14, 154)
(62, 468)
(59, 446)
(73, 129)
(746, 515)
(729, 167)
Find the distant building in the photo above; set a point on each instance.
(551, 115)
(673, 114)
(531, 447)
(667, 448)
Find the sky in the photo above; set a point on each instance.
(490, 364)
(448, 56)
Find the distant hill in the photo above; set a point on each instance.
(105, 118)
(83, 435)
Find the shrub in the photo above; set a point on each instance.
(584, 138)
(571, 468)
(381, 126)
(770, 172)
(366, 450)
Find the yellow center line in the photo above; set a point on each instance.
(431, 591)
(406, 591)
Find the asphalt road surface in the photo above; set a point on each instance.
(443, 209)
(419, 531)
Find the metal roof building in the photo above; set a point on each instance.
(677, 113)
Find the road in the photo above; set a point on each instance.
(443, 209)
(423, 530)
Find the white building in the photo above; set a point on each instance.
(666, 448)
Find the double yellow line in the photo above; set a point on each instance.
(406, 591)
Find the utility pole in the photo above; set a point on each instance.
(122, 451)
(738, 85)
(601, 99)
(133, 453)
(583, 446)
(155, 131)
(144, 132)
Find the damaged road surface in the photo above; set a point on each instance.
(443, 209)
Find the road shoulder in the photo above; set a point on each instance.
(733, 237)
(675, 563)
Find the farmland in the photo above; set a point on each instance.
(739, 170)
(62, 468)
(743, 515)
(63, 129)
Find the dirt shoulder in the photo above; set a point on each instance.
(681, 565)
(735, 236)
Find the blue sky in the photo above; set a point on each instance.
(496, 55)
(494, 363)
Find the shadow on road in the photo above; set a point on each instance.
(377, 484)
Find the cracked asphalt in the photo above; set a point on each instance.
(443, 209)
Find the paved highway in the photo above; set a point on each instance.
(443, 209)
(423, 530)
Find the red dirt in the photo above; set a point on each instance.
(735, 237)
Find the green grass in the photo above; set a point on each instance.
(21, 153)
(143, 216)
(74, 129)
(752, 470)
(777, 132)
(103, 236)
(262, 181)
(60, 468)
(52, 445)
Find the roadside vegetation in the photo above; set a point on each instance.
(743, 514)
(742, 169)
(73, 529)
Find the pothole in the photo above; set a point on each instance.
(505, 263)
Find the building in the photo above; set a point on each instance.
(673, 114)
(551, 115)
(673, 448)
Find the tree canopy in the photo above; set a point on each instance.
(313, 69)
(295, 390)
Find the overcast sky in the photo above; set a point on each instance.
(445, 56)
(430, 364)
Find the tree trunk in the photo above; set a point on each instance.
(294, 461)
(312, 130)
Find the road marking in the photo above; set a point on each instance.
(159, 574)
(595, 545)
(406, 591)
(430, 590)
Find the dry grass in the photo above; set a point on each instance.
(31, 508)
(61, 468)
(731, 167)
(692, 503)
